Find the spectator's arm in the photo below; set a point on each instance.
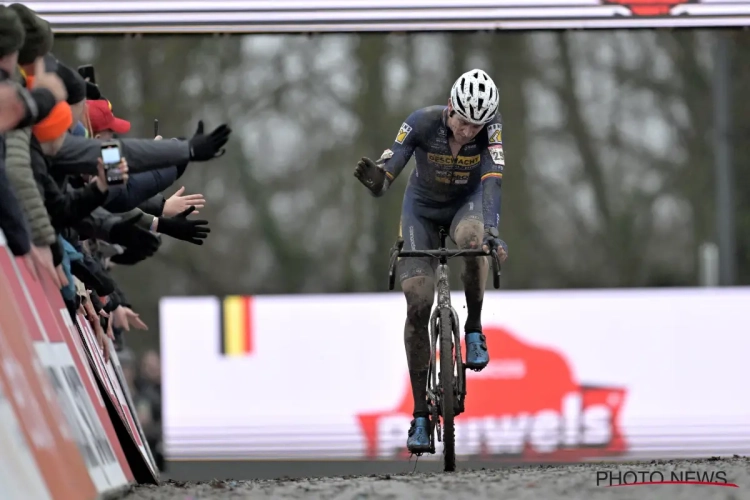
(141, 187)
(12, 220)
(79, 155)
(21, 176)
(154, 205)
(65, 209)
(38, 104)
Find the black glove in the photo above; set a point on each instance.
(370, 174)
(182, 228)
(492, 240)
(128, 234)
(205, 147)
(129, 257)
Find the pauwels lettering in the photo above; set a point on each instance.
(546, 431)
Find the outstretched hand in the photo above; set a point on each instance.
(371, 175)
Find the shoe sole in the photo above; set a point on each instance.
(476, 367)
(419, 450)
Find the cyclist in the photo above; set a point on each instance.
(456, 184)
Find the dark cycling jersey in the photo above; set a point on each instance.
(439, 178)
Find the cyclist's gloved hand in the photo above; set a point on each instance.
(492, 240)
(205, 147)
(370, 174)
(182, 228)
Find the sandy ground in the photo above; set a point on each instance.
(543, 482)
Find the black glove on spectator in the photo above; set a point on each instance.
(181, 228)
(128, 234)
(204, 147)
(131, 256)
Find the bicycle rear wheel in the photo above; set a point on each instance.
(447, 383)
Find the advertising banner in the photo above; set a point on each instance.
(81, 402)
(24, 382)
(20, 477)
(79, 399)
(107, 375)
(295, 16)
(574, 375)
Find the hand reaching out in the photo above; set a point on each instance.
(178, 203)
(124, 318)
(180, 227)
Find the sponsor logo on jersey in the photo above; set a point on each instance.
(495, 133)
(460, 177)
(451, 177)
(461, 161)
(403, 133)
(498, 156)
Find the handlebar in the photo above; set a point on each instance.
(443, 254)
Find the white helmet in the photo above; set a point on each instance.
(475, 97)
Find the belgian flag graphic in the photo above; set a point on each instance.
(236, 326)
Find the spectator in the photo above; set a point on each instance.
(46, 251)
(57, 209)
(20, 108)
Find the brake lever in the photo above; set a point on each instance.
(496, 270)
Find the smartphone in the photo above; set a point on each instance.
(156, 127)
(111, 157)
(87, 71)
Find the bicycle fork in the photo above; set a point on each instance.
(434, 394)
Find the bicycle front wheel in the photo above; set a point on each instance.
(447, 383)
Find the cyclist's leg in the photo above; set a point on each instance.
(417, 275)
(467, 230)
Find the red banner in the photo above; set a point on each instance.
(54, 421)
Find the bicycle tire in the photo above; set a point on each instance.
(446, 381)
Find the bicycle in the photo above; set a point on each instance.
(443, 403)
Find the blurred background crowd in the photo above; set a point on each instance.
(610, 174)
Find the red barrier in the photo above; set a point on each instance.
(35, 404)
(108, 379)
(75, 443)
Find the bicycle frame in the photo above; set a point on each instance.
(434, 395)
(433, 389)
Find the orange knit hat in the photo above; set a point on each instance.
(55, 125)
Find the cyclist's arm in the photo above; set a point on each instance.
(492, 164)
(395, 159)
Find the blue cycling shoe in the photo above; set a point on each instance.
(477, 355)
(419, 436)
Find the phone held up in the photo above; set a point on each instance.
(87, 72)
(111, 157)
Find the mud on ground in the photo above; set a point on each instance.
(577, 482)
